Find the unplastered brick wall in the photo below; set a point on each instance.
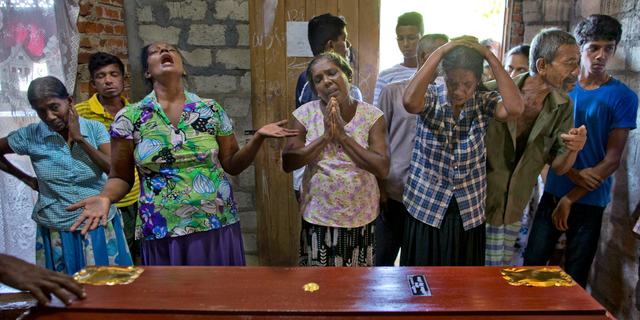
(517, 26)
(102, 29)
(614, 273)
(213, 38)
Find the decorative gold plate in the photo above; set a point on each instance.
(107, 275)
(537, 277)
(311, 287)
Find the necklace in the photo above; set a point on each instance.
(609, 77)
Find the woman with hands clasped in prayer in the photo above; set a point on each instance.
(182, 146)
(69, 155)
(343, 143)
(446, 189)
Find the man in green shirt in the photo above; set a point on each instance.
(518, 150)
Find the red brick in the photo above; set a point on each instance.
(82, 25)
(103, 42)
(99, 11)
(122, 56)
(516, 41)
(89, 27)
(105, 1)
(125, 44)
(117, 2)
(115, 43)
(127, 80)
(121, 30)
(84, 10)
(517, 30)
(86, 87)
(516, 18)
(84, 57)
(89, 42)
(517, 9)
(126, 94)
(108, 29)
(113, 14)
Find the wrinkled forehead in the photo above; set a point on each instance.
(45, 102)
(567, 53)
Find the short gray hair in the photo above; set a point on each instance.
(545, 45)
(428, 42)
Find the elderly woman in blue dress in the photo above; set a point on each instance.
(69, 156)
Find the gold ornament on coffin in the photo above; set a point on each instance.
(311, 287)
(107, 275)
(537, 277)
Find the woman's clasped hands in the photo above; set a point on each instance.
(333, 123)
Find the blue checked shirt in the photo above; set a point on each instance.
(636, 228)
(449, 158)
(64, 176)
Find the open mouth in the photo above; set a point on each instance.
(166, 59)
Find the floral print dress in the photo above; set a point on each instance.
(183, 186)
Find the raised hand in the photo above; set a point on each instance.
(575, 139)
(329, 129)
(74, 124)
(96, 208)
(338, 124)
(276, 130)
(41, 283)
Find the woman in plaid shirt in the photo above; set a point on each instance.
(446, 190)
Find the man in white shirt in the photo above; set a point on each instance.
(409, 30)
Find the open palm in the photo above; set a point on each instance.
(276, 130)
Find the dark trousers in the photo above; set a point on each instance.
(582, 237)
(129, 215)
(389, 232)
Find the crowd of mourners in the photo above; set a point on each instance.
(461, 160)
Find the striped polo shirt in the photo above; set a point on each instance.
(92, 109)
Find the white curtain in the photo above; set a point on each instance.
(37, 38)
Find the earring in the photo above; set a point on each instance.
(184, 73)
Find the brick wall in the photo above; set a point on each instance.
(101, 26)
(614, 273)
(517, 27)
(213, 37)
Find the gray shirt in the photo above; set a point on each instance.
(401, 126)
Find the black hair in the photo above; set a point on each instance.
(102, 59)
(598, 27)
(46, 87)
(336, 59)
(322, 29)
(545, 45)
(148, 83)
(144, 56)
(465, 58)
(411, 19)
(428, 41)
(522, 49)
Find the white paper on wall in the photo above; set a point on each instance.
(297, 39)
